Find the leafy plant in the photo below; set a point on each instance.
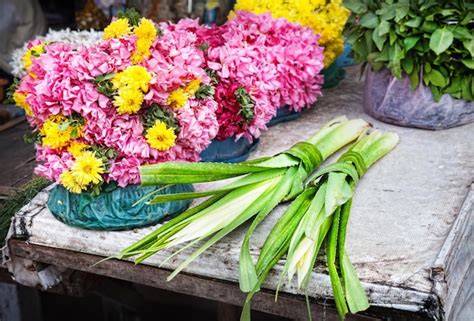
(431, 41)
(318, 217)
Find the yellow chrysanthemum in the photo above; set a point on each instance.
(76, 148)
(70, 183)
(32, 53)
(192, 87)
(87, 169)
(145, 30)
(54, 136)
(160, 137)
(142, 52)
(134, 77)
(326, 18)
(116, 29)
(20, 100)
(128, 100)
(178, 98)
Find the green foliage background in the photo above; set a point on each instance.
(431, 41)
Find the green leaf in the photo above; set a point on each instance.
(462, 33)
(469, 45)
(384, 28)
(358, 7)
(469, 63)
(436, 78)
(401, 12)
(369, 20)
(436, 93)
(393, 36)
(410, 42)
(429, 27)
(355, 293)
(440, 40)
(414, 23)
(378, 40)
(407, 65)
(387, 13)
(383, 56)
(414, 78)
(454, 87)
(467, 88)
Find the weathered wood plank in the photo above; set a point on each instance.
(288, 305)
(453, 270)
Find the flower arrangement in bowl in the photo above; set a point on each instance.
(422, 59)
(260, 64)
(325, 18)
(98, 112)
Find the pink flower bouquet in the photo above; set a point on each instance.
(140, 96)
(151, 93)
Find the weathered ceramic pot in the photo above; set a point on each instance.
(284, 114)
(115, 208)
(229, 150)
(391, 100)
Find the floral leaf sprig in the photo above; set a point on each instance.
(156, 112)
(247, 104)
(430, 41)
(104, 84)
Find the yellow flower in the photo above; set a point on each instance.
(20, 100)
(134, 77)
(76, 148)
(117, 28)
(192, 87)
(31, 53)
(128, 101)
(142, 51)
(178, 98)
(70, 183)
(54, 135)
(145, 30)
(160, 137)
(87, 169)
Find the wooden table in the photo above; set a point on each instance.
(410, 235)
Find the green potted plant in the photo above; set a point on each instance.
(420, 55)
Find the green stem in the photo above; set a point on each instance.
(331, 139)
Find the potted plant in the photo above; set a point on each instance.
(421, 58)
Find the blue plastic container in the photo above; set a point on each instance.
(284, 114)
(345, 59)
(228, 151)
(115, 208)
(333, 76)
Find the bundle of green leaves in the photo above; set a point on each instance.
(429, 40)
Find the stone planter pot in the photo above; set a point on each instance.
(115, 208)
(228, 151)
(391, 100)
